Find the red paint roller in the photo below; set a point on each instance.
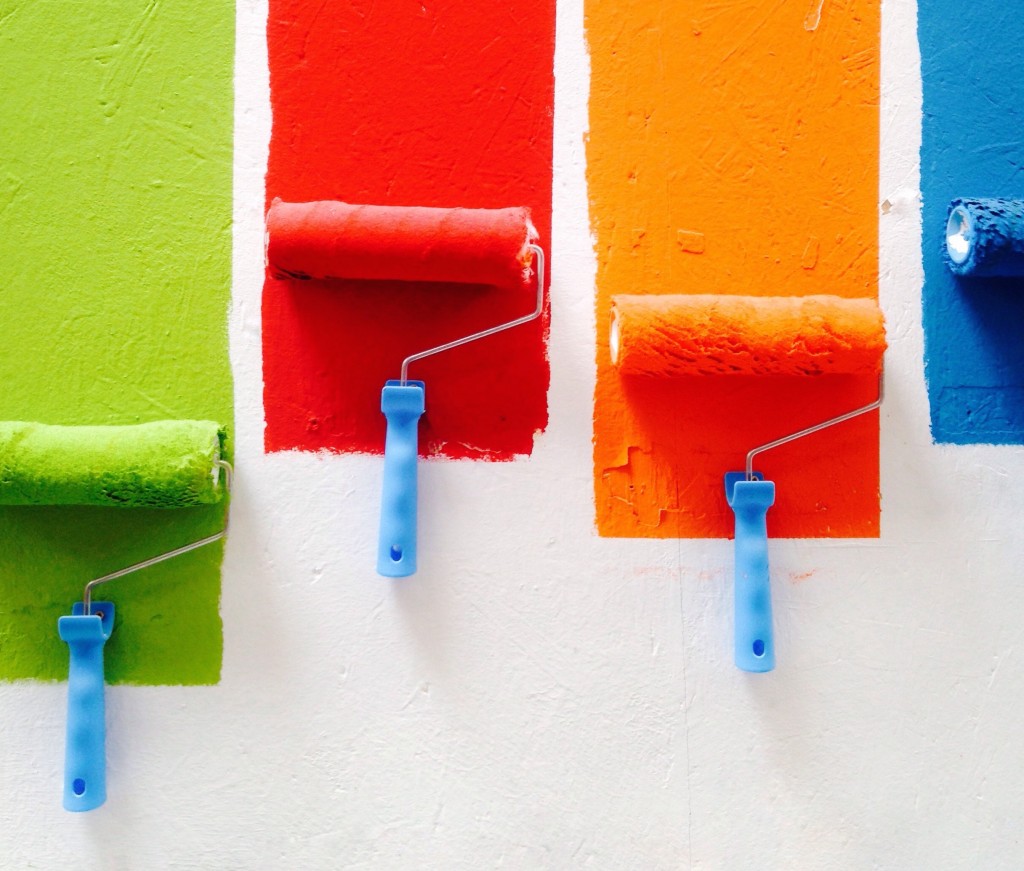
(715, 335)
(335, 240)
(340, 240)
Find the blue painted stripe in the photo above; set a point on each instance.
(972, 146)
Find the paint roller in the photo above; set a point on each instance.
(715, 335)
(336, 240)
(163, 464)
(985, 237)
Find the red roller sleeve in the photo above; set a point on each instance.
(338, 240)
(703, 334)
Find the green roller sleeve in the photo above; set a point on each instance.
(163, 464)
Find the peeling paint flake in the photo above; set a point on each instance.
(809, 259)
(690, 241)
(634, 485)
(813, 17)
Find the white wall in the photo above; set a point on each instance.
(538, 697)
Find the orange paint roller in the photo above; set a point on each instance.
(336, 240)
(716, 335)
(704, 334)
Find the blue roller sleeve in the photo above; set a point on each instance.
(754, 640)
(85, 755)
(402, 404)
(985, 237)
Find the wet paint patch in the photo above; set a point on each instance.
(970, 147)
(115, 194)
(440, 104)
(733, 149)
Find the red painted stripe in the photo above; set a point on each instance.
(439, 104)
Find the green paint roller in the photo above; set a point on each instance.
(164, 464)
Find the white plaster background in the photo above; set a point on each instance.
(537, 697)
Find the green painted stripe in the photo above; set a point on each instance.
(115, 244)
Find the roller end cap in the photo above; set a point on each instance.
(959, 237)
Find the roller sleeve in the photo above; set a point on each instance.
(710, 334)
(163, 464)
(330, 239)
(985, 237)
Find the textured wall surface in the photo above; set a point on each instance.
(115, 208)
(542, 697)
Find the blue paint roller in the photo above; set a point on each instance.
(985, 237)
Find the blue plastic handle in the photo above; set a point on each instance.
(753, 637)
(402, 404)
(85, 754)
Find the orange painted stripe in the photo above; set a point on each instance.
(733, 149)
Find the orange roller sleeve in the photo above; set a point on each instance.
(707, 334)
(339, 240)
